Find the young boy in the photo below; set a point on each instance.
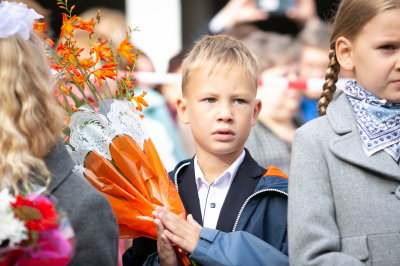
(222, 188)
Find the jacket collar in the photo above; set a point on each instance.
(274, 179)
(243, 186)
(185, 182)
(59, 164)
(340, 115)
(347, 145)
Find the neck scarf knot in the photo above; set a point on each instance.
(378, 120)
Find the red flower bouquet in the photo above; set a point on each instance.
(32, 232)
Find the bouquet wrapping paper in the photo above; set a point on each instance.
(112, 150)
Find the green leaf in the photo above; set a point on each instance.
(28, 213)
(78, 103)
(67, 131)
(33, 239)
(193, 263)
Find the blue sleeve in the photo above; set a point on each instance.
(237, 248)
(285, 247)
(152, 260)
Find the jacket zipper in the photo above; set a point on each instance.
(249, 198)
(176, 175)
(244, 204)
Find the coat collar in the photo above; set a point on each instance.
(243, 186)
(59, 164)
(347, 145)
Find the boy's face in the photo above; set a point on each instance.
(220, 110)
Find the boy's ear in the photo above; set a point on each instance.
(182, 109)
(344, 53)
(256, 111)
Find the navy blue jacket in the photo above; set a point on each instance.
(251, 228)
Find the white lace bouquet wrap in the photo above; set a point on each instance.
(92, 131)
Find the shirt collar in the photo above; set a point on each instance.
(229, 173)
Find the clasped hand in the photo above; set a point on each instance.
(171, 229)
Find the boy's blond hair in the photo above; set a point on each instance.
(219, 55)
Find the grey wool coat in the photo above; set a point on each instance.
(90, 213)
(342, 206)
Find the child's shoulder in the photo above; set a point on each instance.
(338, 119)
(179, 169)
(315, 129)
(315, 124)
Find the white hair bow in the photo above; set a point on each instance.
(16, 18)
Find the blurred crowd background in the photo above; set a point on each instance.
(290, 38)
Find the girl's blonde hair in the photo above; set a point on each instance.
(349, 20)
(30, 120)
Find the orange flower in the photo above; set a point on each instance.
(124, 49)
(86, 63)
(98, 16)
(87, 26)
(110, 65)
(61, 48)
(140, 101)
(69, 55)
(74, 75)
(100, 50)
(39, 27)
(81, 80)
(130, 76)
(128, 83)
(128, 80)
(102, 74)
(56, 67)
(108, 56)
(69, 58)
(49, 41)
(66, 91)
(67, 25)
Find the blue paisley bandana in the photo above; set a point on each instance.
(377, 119)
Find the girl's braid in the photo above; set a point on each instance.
(331, 78)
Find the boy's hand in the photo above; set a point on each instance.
(183, 233)
(166, 253)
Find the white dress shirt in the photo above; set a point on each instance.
(212, 196)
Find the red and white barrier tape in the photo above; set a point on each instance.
(314, 84)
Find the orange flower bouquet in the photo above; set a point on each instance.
(106, 138)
